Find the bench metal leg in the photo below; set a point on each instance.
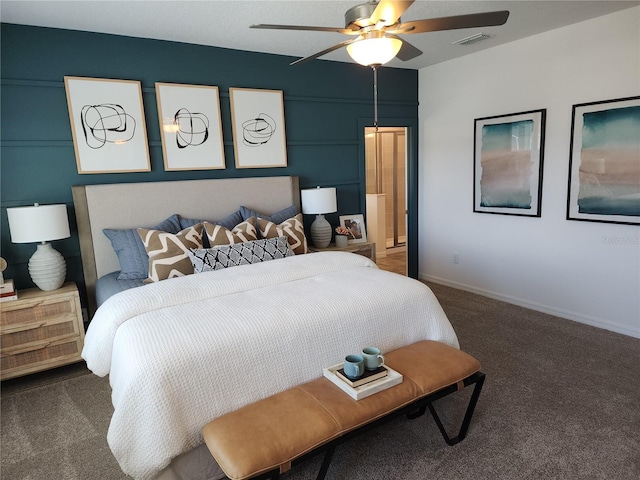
(326, 462)
(478, 380)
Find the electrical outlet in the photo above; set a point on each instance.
(456, 258)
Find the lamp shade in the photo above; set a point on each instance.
(374, 51)
(319, 200)
(38, 223)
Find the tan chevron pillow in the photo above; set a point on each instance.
(169, 253)
(243, 232)
(292, 228)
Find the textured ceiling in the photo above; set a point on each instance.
(226, 23)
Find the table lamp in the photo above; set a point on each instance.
(42, 223)
(318, 201)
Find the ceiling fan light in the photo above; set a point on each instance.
(374, 51)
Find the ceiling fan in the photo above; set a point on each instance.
(375, 27)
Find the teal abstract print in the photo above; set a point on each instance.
(508, 163)
(610, 162)
(605, 162)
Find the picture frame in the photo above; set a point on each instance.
(355, 224)
(508, 163)
(190, 126)
(604, 162)
(257, 118)
(108, 125)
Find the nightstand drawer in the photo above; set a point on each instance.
(35, 358)
(32, 311)
(37, 333)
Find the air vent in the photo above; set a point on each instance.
(472, 39)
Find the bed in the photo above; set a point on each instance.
(182, 351)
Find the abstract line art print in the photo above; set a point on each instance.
(258, 131)
(257, 117)
(604, 162)
(190, 126)
(107, 124)
(508, 161)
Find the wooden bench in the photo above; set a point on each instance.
(261, 440)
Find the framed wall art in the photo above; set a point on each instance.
(604, 162)
(190, 126)
(107, 124)
(508, 163)
(257, 117)
(356, 227)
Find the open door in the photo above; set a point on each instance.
(386, 187)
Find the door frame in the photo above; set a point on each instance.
(411, 125)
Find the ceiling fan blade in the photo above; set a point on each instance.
(389, 11)
(407, 51)
(267, 26)
(487, 19)
(324, 52)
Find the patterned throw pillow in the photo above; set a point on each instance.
(134, 262)
(168, 253)
(292, 228)
(225, 256)
(219, 235)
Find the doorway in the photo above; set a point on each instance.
(386, 183)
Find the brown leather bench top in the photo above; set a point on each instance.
(274, 431)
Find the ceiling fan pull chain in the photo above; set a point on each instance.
(375, 97)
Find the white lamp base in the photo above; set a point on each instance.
(321, 232)
(47, 267)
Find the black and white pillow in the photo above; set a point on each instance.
(225, 256)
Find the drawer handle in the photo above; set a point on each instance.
(25, 350)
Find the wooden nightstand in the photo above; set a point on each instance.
(367, 249)
(40, 330)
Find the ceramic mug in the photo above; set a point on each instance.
(353, 366)
(372, 358)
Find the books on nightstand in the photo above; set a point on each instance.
(8, 291)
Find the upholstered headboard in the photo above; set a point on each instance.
(132, 205)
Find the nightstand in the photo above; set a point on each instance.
(40, 330)
(366, 249)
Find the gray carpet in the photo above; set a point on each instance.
(561, 401)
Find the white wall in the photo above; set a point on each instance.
(584, 271)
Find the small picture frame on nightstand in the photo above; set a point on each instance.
(356, 227)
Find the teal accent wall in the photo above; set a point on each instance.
(326, 105)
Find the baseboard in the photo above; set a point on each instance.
(576, 317)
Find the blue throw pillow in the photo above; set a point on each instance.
(228, 222)
(278, 217)
(133, 258)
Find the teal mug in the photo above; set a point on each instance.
(372, 358)
(353, 366)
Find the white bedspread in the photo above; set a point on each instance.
(184, 351)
